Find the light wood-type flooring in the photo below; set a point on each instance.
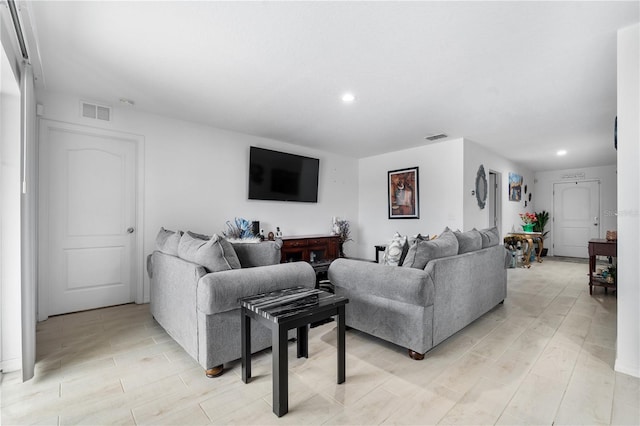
(544, 357)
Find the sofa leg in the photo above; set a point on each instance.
(215, 371)
(416, 355)
(502, 303)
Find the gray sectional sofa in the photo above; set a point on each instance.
(442, 286)
(196, 282)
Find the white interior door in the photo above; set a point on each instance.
(576, 217)
(91, 201)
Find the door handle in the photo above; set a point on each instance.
(130, 230)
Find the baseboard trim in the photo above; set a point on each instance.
(630, 370)
(11, 365)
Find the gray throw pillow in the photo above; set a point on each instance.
(216, 254)
(167, 241)
(199, 236)
(490, 237)
(468, 241)
(258, 254)
(421, 252)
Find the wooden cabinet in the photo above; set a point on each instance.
(310, 248)
(600, 247)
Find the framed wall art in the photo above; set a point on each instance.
(515, 187)
(403, 194)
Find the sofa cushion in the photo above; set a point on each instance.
(167, 241)
(421, 252)
(490, 237)
(468, 241)
(260, 254)
(216, 254)
(396, 250)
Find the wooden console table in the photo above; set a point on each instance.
(527, 237)
(310, 248)
(600, 247)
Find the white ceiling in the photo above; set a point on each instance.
(523, 79)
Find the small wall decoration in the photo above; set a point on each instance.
(515, 187)
(403, 194)
(481, 187)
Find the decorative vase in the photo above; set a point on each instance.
(527, 227)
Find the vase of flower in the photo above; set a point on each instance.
(528, 219)
(341, 229)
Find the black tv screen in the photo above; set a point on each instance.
(280, 176)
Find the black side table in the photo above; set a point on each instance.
(282, 311)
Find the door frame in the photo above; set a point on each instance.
(495, 197)
(139, 292)
(553, 206)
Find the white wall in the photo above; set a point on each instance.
(439, 184)
(474, 217)
(10, 297)
(196, 176)
(607, 175)
(447, 173)
(628, 340)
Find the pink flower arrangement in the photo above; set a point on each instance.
(528, 217)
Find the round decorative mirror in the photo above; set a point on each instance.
(481, 187)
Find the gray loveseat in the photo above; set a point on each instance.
(195, 286)
(419, 307)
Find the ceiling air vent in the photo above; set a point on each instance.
(95, 111)
(435, 137)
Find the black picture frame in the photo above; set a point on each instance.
(403, 193)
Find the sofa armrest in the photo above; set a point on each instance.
(408, 285)
(219, 291)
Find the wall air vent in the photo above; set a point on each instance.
(95, 111)
(435, 137)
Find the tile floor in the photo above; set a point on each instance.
(544, 357)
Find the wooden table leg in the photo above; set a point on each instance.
(303, 341)
(592, 266)
(540, 247)
(280, 374)
(245, 322)
(527, 260)
(341, 345)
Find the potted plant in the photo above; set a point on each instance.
(538, 226)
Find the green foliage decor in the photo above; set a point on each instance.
(542, 219)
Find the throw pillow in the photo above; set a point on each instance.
(490, 237)
(199, 236)
(216, 254)
(422, 252)
(419, 237)
(167, 241)
(396, 250)
(468, 241)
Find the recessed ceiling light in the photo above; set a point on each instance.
(348, 98)
(127, 102)
(561, 152)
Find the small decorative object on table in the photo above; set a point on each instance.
(529, 219)
(240, 229)
(341, 229)
(278, 232)
(612, 235)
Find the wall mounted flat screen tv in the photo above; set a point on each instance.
(279, 176)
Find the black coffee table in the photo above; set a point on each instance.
(282, 311)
